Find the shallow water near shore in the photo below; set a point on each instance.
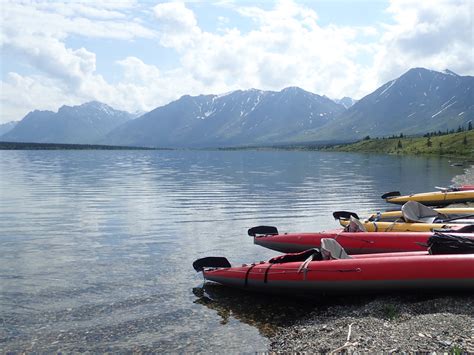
(96, 247)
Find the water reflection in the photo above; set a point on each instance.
(266, 312)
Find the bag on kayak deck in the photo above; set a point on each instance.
(301, 256)
(442, 243)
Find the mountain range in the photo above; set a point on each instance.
(417, 102)
(7, 127)
(83, 124)
(238, 118)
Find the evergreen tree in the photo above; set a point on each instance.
(464, 141)
(428, 142)
(469, 126)
(399, 144)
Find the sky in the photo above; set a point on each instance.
(138, 55)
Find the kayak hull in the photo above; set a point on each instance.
(352, 242)
(373, 273)
(353, 287)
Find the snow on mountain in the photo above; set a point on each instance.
(236, 118)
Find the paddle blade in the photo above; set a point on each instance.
(262, 230)
(344, 215)
(391, 194)
(210, 261)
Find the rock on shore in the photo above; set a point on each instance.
(466, 179)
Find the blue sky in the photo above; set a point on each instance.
(137, 55)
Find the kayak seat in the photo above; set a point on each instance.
(331, 249)
(355, 225)
(413, 211)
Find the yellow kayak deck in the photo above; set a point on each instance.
(435, 198)
(401, 226)
(391, 216)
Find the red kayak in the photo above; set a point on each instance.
(330, 269)
(352, 242)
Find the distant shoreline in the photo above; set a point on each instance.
(61, 146)
(459, 145)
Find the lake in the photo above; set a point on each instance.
(96, 247)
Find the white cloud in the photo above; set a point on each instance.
(22, 94)
(59, 21)
(437, 35)
(135, 71)
(35, 34)
(51, 56)
(178, 24)
(286, 46)
(89, 10)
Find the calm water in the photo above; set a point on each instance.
(96, 246)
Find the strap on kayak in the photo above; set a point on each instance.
(247, 275)
(392, 226)
(265, 279)
(304, 265)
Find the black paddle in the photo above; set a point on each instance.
(262, 230)
(391, 194)
(344, 215)
(210, 261)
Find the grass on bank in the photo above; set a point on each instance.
(454, 144)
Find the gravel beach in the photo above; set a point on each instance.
(385, 324)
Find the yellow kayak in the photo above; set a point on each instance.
(401, 226)
(435, 198)
(391, 216)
